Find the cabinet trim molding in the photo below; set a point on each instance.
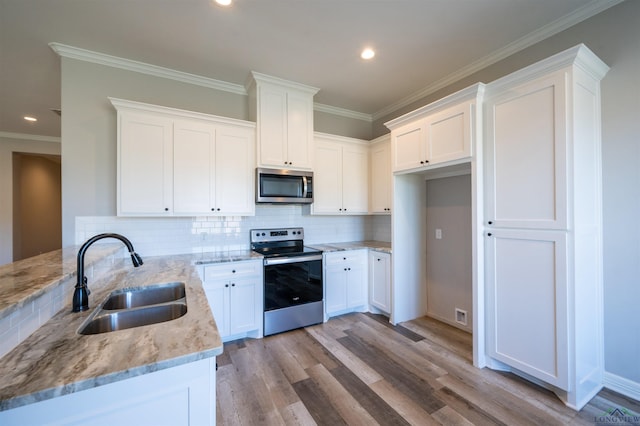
(123, 104)
(475, 91)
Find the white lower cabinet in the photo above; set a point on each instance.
(380, 281)
(183, 395)
(235, 293)
(345, 281)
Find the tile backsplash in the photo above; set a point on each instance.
(174, 235)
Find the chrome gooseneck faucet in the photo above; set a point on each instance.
(81, 292)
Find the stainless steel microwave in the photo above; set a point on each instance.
(276, 186)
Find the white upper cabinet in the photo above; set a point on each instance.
(380, 177)
(438, 133)
(283, 112)
(543, 223)
(145, 164)
(182, 163)
(341, 175)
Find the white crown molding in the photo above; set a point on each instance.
(342, 112)
(475, 92)
(123, 104)
(257, 77)
(561, 24)
(144, 68)
(25, 136)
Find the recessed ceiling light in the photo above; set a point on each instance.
(367, 53)
(29, 118)
(224, 2)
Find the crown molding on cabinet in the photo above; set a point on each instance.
(579, 55)
(144, 68)
(583, 13)
(121, 104)
(25, 136)
(474, 91)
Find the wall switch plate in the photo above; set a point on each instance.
(438, 234)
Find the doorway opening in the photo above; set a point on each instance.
(37, 204)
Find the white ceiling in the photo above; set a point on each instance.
(420, 44)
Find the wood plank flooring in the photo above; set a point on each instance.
(358, 369)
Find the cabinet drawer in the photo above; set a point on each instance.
(232, 270)
(348, 256)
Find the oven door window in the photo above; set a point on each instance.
(292, 284)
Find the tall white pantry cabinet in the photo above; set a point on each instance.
(543, 223)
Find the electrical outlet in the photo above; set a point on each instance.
(438, 234)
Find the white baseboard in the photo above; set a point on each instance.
(621, 385)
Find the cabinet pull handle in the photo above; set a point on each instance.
(233, 271)
(166, 209)
(226, 285)
(489, 234)
(490, 223)
(233, 284)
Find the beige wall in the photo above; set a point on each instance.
(449, 280)
(89, 129)
(8, 145)
(613, 35)
(37, 224)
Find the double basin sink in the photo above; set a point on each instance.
(135, 307)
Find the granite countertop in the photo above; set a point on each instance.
(25, 280)
(56, 360)
(382, 246)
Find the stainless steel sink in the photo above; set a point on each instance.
(135, 307)
(152, 295)
(120, 320)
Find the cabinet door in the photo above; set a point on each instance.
(234, 171)
(193, 159)
(218, 297)
(355, 179)
(380, 281)
(449, 134)
(408, 146)
(145, 165)
(335, 283)
(526, 156)
(300, 130)
(327, 178)
(243, 299)
(527, 302)
(357, 283)
(272, 126)
(380, 182)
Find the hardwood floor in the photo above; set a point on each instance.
(360, 370)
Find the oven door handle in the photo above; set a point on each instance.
(295, 259)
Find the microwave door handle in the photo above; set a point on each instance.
(305, 189)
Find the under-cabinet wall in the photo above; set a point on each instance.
(448, 254)
(173, 235)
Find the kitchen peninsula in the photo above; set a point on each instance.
(161, 371)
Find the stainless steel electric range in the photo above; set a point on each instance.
(293, 285)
